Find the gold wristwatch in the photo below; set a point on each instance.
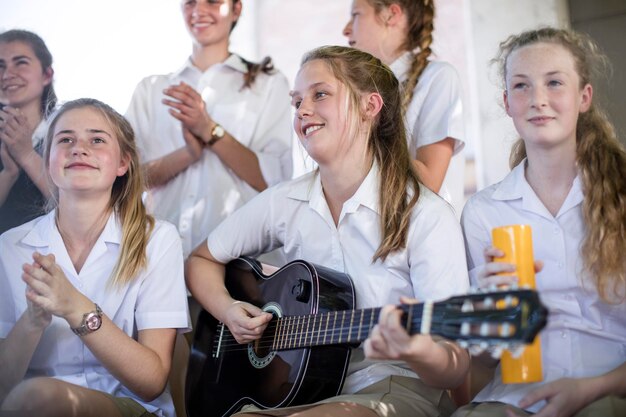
(217, 133)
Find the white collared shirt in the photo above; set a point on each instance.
(584, 336)
(295, 217)
(155, 299)
(201, 196)
(435, 113)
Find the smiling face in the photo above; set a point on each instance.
(85, 155)
(210, 21)
(544, 96)
(321, 116)
(22, 78)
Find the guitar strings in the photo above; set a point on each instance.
(295, 339)
(301, 339)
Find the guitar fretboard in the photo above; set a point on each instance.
(336, 327)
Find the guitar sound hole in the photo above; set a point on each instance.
(260, 349)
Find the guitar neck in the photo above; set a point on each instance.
(335, 327)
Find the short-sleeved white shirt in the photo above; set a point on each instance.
(202, 195)
(584, 336)
(435, 113)
(155, 299)
(295, 217)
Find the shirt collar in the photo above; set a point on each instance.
(309, 188)
(45, 231)
(400, 67)
(233, 61)
(514, 186)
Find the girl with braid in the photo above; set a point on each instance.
(399, 33)
(348, 116)
(568, 183)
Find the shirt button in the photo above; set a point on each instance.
(564, 334)
(560, 264)
(556, 230)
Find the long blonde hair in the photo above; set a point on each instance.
(399, 191)
(420, 17)
(126, 194)
(601, 160)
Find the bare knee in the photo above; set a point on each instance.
(36, 395)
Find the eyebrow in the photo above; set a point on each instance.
(311, 87)
(70, 131)
(548, 73)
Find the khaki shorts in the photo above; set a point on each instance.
(129, 407)
(605, 407)
(394, 396)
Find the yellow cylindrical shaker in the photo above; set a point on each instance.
(516, 243)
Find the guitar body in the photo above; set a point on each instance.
(221, 381)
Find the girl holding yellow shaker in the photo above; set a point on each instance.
(568, 183)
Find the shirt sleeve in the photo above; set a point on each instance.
(273, 135)
(441, 113)
(7, 304)
(436, 252)
(477, 236)
(247, 232)
(162, 298)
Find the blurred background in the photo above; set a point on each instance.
(103, 49)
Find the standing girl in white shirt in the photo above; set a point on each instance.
(26, 88)
(215, 133)
(93, 292)
(399, 33)
(569, 184)
(362, 212)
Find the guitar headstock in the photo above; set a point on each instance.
(498, 320)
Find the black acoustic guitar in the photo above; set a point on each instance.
(303, 355)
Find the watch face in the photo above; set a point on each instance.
(218, 131)
(93, 322)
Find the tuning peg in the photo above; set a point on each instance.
(508, 301)
(474, 290)
(505, 329)
(463, 344)
(488, 302)
(476, 350)
(496, 351)
(465, 328)
(516, 350)
(479, 348)
(484, 329)
(467, 306)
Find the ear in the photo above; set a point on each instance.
(237, 9)
(373, 104)
(505, 100)
(48, 74)
(586, 95)
(395, 14)
(124, 164)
